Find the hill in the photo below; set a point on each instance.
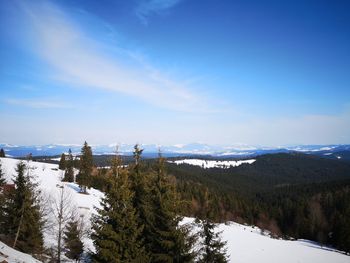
(245, 243)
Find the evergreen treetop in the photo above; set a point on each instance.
(24, 218)
(72, 239)
(62, 163)
(86, 164)
(69, 170)
(117, 233)
(213, 249)
(170, 242)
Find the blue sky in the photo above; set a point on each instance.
(175, 71)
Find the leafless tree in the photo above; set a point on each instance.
(62, 211)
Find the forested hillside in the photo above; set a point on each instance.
(292, 195)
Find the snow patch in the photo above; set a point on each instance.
(8, 254)
(212, 163)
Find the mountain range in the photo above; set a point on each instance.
(334, 151)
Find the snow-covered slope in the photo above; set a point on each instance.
(245, 243)
(10, 255)
(49, 177)
(212, 163)
(248, 244)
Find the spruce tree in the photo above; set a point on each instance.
(24, 219)
(170, 242)
(62, 163)
(140, 185)
(117, 233)
(213, 249)
(2, 153)
(72, 240)
(69, 171)
(86, 164)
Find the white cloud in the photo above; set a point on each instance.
(81, 61)
(149, 7)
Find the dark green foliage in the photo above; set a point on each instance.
(292, 195)
(213, 248)
(117, 233)
(150, 204)
(140, 186)
(283, 193)
(72, 240)
(2, 153)
(62, 163)
(23, 216)
(69, 171)
(86, 164)
(167, 240)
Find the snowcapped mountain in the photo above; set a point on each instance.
(151, 150)
(245, 243)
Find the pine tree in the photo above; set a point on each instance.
(72, 240)
(24, 219)
(117, 233)
(2, 153)
(62, 163)
(170, 242)
(141, 200)
(69, 171)
(86, 164)
(213, 248)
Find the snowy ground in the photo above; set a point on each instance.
(10, 255)
(49, 179)
(212, 163)
(245, 244)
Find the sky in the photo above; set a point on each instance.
(229, 72)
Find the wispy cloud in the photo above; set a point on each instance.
(38, 104)
(149, 7)
(81, 61)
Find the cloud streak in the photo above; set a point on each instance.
(78, 60)
(147, 8)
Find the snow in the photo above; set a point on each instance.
(248, 245)
(49, 177)
(212, 163)
(245, 243)
(8, 254)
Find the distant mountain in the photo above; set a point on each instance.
(151, 150)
